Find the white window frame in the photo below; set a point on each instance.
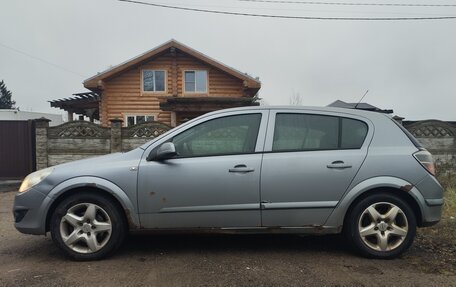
(126, 116)
(196, 92)
(165, 79)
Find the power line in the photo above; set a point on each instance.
(41, 60)
(349, 3)
(302, 8)
(289, 16)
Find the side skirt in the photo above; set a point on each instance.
(316, 230)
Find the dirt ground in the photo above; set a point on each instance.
(228, 260)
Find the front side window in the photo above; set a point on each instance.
(222, 136)
(196, 81)
(134, 120)
(301, 132)
(153, 81)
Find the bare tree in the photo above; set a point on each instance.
(296, 99)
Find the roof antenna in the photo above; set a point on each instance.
(361, 99)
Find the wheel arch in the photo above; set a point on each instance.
(391, 185)
(96, 185)
(392, 191)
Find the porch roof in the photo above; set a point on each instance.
(203, 104)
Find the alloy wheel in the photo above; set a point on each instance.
(85, 228)
(383, 226)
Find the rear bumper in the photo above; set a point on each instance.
(431, 215)
(430, 196)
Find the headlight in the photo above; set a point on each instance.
(34, 178)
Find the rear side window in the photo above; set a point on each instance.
(305, 132)
(301, 132)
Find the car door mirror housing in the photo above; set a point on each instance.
(164, 152)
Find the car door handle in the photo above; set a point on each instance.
(241, 168)
(339, 164)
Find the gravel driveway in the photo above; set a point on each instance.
(228, 260)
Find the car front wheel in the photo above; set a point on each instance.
(381, 226)
(88, 226)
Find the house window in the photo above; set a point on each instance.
(138, 119)
(196, 81)
(153, 81)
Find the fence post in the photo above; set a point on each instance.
(41, 130)
(116, 135)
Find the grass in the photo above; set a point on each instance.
(435, 246)
(447, 177)
(438, 242)
(450, 203)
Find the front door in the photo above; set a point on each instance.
(311, 160)
(213, 182)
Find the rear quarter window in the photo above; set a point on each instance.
(353, 133)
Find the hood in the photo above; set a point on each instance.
(110, 167)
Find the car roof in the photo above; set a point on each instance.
(364, 113)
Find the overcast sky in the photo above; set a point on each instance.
(407, 66)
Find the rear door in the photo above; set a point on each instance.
(309, 161)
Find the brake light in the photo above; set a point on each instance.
(425, 159)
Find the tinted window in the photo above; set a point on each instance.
(353, 133)
(300, 132)
(305, 132)
(227, 135)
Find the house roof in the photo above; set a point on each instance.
(93, 82)
(359, 106)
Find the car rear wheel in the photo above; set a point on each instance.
(88, 226)
(381, 226)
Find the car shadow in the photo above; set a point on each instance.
(151, 244)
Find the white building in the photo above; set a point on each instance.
(15, 115)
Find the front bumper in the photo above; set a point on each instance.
(29, 212)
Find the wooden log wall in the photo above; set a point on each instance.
(123, 95)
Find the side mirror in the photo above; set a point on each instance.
(165, 151)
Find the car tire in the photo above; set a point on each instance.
(88, 226)
(380, 226)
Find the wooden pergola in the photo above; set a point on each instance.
(86, 104)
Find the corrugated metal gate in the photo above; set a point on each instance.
(17, 149)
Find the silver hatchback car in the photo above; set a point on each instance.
(255, 170)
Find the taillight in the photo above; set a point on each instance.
(425, 158)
